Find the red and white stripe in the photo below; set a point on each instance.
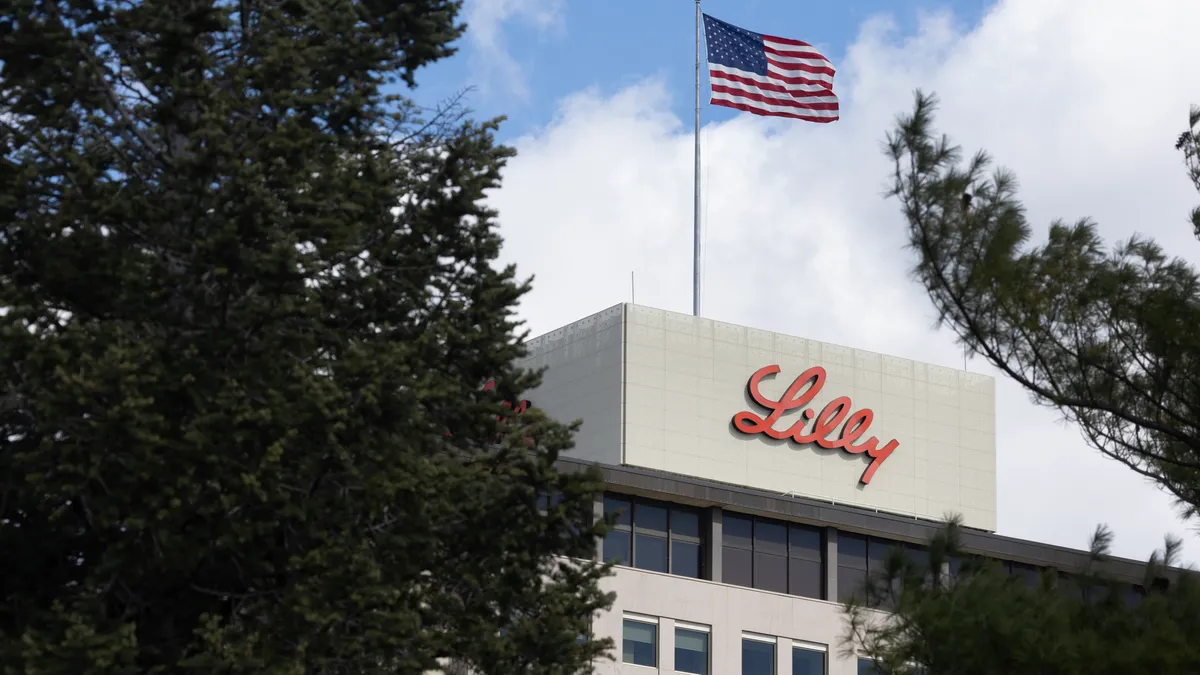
(798, 84)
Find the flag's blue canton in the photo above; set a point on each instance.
(734, 47)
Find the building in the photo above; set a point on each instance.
(761, 477)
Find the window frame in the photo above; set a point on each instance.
(874, 667)
(693, 628)
(871, 560)
(762, 639)
(633, 529)
(813, 648)
(789, 553)
(1025, 573)
(645, 620)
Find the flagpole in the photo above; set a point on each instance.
(696, 206)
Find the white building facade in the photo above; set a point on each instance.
(759, 478)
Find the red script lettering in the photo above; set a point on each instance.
(520, 408)
(802, 391)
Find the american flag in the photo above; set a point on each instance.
(768, 75)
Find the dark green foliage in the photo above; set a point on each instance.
(985, 622)
(1189, 144)
(1108, 338)
(249, 308)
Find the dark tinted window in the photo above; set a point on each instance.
(860, 556)
(1069, 586)
(687, 543)
(639, 643)
(807, 662)
(617, 547)
(852, 565)
(806, 578)
(691, 651)
(650, 552)
(737, 566)
(917, 556)
(770, 572)
(868, 667)
(650, 518)
(1026, 573)
(758, 658)
(877, 552)
(685, 523)
(770, 537)
(807, 543)
(772, 555)
(652, 535)
(737, 531)
(685, 559)
(551, 502)
(850, 582)
(1134, 596)
(621, 507)
(852, 551)
(547, 502)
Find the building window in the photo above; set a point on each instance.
(772, 555)
(654, 536)
(691, 649)
(549, 502)
(868, 667)
(808, 659)
(1026, 573)
(758, 655)
(860, 556)
(852, 565)
(1069, 586)
(1134, 596)
(639, 642)
(806, 562)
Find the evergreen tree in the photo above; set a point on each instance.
(971, 618)
(249, 306)
(1106, 337)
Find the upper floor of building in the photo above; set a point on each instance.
(800, 546)
(707, 399)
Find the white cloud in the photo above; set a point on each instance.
(496, 69)
(1082, 100)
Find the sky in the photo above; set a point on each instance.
(1082, 99)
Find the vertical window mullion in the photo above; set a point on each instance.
(753, 552)
(632, 533)
(670, 537)
(770, 555)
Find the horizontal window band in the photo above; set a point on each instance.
(809, 646)
(758, 638)
(693, 627)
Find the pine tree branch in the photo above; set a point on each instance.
(1090, 334)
